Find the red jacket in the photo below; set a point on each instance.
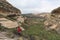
(19, 29)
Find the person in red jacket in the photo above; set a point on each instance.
(19, 30)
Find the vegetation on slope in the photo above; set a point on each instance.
(37, 30)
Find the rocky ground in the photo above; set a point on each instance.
(4, 37)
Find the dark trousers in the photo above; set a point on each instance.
(19, 34)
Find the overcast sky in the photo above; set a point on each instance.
(32, 6)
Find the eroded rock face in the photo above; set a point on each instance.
(7, 9)
(20, 19)
(8, 23)
(53, 22)
(9, 12)
(56, 11)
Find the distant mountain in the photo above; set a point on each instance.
(37, 15)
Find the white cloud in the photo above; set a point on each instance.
(35, 5)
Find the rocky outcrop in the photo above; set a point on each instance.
(56, 11)
(7, 9)
(53, 22)
(10, 16)
(8, 23)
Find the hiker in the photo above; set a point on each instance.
(19, 30)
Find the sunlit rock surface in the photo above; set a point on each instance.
(9, 12)
(53, 22)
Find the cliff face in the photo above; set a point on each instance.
(8, 13)
(7, 9)
(53, 22)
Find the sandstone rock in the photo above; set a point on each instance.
(8, 13)
(56, 11)
(53, 22)
(8, 23)
(20, 19)
(7, 9)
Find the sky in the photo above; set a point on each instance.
(35, 6)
